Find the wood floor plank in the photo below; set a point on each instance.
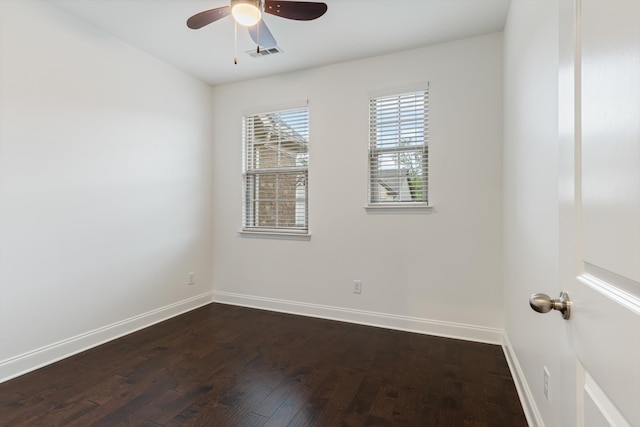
(332, 414)
(252, 420)
(223, 365)
(288, 409)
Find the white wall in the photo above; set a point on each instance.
(429, 272)
(105, 187)
(531, 203)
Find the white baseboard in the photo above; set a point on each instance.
(30, 361)
(370, 318)
(524, 392)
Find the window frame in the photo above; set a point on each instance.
(391, 146)
(251, 174)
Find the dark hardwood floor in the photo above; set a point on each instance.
(222, 365)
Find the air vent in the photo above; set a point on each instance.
(264, 52)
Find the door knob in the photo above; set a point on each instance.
(542, 303)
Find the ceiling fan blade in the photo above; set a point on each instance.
(298, 10)
(201, 19)
(261, 35)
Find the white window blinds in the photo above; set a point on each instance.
(276, 158)
(398, 149)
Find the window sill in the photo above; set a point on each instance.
(274, 235)
(393, 208)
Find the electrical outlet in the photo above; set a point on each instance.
(546, 383)
(357, 286)
(192, 278)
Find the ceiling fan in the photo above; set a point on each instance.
(248, 13)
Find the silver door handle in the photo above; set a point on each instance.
(542, 303)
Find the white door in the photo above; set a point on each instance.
(600, 205)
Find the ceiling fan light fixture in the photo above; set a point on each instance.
(246, 12)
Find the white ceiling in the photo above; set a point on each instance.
(350, 29)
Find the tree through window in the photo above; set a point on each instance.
(398, 149)
(276, 159)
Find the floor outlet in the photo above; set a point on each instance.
(546, 383)
(357, 286)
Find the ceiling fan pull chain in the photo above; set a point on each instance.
(261, 5)
(235, 42)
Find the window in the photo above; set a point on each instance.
(398, 149)
(276, 159)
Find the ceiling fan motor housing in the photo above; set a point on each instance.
(246, 12)
(256, 3)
